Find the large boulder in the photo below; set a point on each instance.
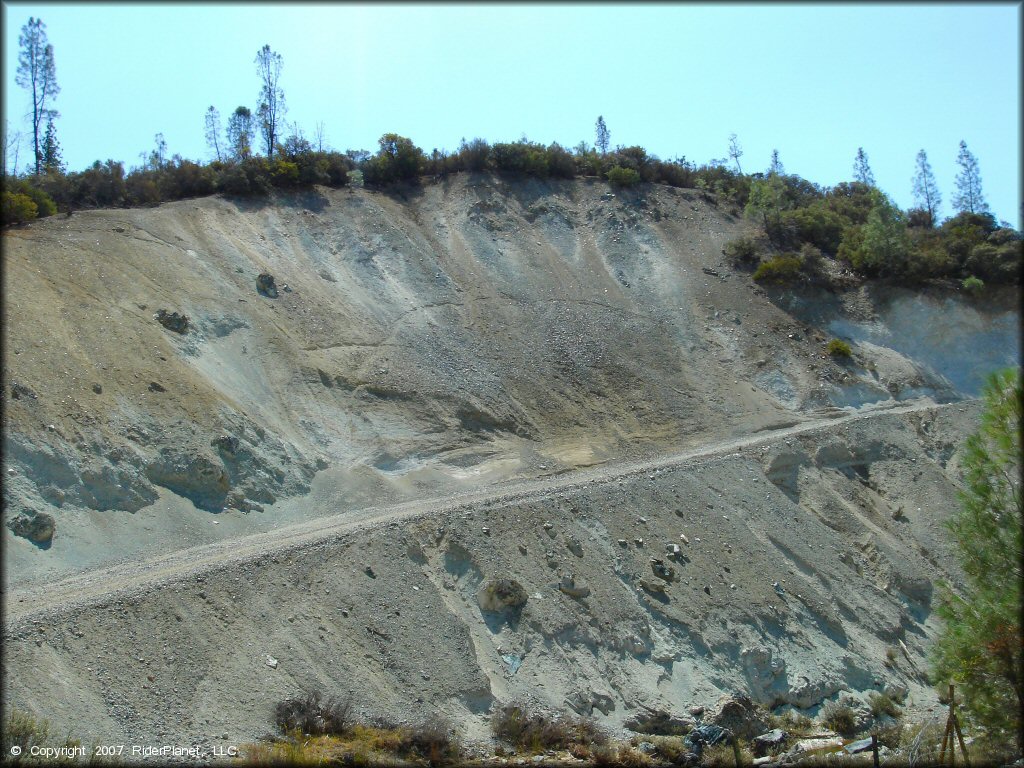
(266, 286)
(37, 527)
(770, 743)
(740, 715)
(194, 475)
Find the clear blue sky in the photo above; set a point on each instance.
(814, 81)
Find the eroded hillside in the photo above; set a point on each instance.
(453, 385)
(466, 332)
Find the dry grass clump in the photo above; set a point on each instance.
(24, 730)
(724, 756)
(314, 715)
(320, 731)
(840, 718)
(792, 722)
(537, 732)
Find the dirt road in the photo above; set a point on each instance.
(127, 578)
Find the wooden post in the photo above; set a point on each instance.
(953, 729)
(874, 749)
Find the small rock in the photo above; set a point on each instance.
(368, 570)
(575, 546)
(569, 587)
(522, 549)
(486, 530)
(19, 391)
(97, 388)
(651, 585)
(155, 386)
(271, 662)
(639, 542)
(172, 321)
(685, 540)
(661, 570)
(707, 589)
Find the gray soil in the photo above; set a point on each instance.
(474, 381)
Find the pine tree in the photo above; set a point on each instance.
(603, 136)
(981, 643)
(968, 197)
(37, 73)
(52, 161)
(861, 169)
(239, 133)
(272, 107)
(213, 131)
(776, 169)
(735, 152)
(926, 191)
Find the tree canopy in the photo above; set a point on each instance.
(981, 643)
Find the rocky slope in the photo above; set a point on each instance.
(462, 337)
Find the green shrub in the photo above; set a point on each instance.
(816, 224)
(743, 251)
(998, 263)
(18, 208)
(398, 159)
(882, 704)
(560, 163)
(520, 158)
(623, 177)
(473, 156)
(973, 285)
(780, 269)
(284, 174)
(44, 205)
(839, 348)
(840, 718)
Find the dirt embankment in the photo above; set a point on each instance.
(467, 338)
(473, 331)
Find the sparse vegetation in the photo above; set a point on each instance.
(742, 252)
(792, 722)
(882, 705)
(623, 177)
(839, 348)
(535, 732)
(840, 718)
(723, 755)
(318, 730)
(779, 269)
(973, 285)
(23, 730)
(314, 715)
